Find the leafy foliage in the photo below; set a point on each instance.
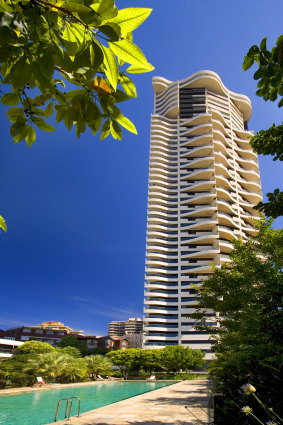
(49, 46)
(270, 86)
(248, 297)
(3, 224)
(57, 366)
(127, 360)
(98, 365)
(35, 347)
(71, 351)
(176, 358)
(270, 69)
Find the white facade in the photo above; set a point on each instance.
(8, 347)
(203, 184)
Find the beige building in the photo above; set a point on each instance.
(58, 326)
(203, 183)
(134, 325)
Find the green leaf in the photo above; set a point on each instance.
(131, 18)
(96, 54)
(4, 7)
(3, 224)
(31, 135)
(248, 62)
(110, 66)
(15, 114)
(112, 31)
(20, 73)
(105, 131)
(129, 52)
(128, 85)
(124, 121)
(84, 11)
(263, 44)
(49, 110)
(138, 69)
(10, 99)
(107, 9)
(116, 130)
(43, 125)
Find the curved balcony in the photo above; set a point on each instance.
(226, 220)
(251, 175)
(224, 194)
(221, 159)
(200, 198)
(246, 153)
(206, 252)
(203, 139)
(223, 182)
(249, 185)
(204, 268)
(197, 130)
(202, 211)
(251, 197)
(226, 206)
(225, 246)
(226, 232)
(199, 163)
(221, 169)
(219, 146)
(205, 173)
(249, 163)
(200, 186)
(203, 224)
(196, 120)
(199, 151)
(218, 125)
(217, 115)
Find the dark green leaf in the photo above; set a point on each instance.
(10, 99)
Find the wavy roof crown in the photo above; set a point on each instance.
(210, 80)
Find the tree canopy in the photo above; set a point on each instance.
(270, 86)
(68, 58)
(247, 294)
(35, 347)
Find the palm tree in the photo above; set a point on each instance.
(52, 366)
(97, 364)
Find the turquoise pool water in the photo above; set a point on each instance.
(39, 407)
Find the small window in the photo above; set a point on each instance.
(26, 330)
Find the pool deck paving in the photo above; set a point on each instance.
(183, 403)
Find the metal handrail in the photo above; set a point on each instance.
(68, 407)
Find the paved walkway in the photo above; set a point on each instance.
(184, 403)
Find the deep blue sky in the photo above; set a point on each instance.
(76, 208)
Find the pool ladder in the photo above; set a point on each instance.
(68, 407)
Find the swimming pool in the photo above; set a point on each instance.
(39, 407)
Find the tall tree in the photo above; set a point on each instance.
(35, 347)
(270, 86)
(68, 57)
(247, 294)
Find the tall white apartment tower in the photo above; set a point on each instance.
(203, 184)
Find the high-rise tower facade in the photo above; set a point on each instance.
(203, 184)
